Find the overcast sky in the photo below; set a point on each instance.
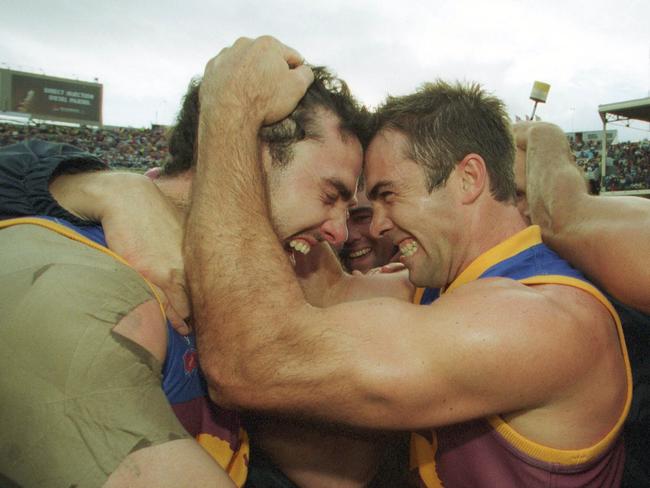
(144, 52)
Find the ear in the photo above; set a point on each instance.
(472, 175)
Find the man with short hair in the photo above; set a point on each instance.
(362, 251)
(518, 372)
(312, 160)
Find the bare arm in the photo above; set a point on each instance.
(140, 225)
(398, 365)
(606, 237)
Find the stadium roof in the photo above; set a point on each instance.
(631, 109)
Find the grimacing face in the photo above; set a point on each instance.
(311, 195)
(362, 251)
(422, 224)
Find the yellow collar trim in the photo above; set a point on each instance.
(515, 244)
(417, 296)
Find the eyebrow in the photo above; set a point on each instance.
(344, 191)
(379, 186)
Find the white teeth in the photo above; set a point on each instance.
(359, 253)
(300, 246)
(408, 249)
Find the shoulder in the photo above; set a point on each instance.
(539, 317)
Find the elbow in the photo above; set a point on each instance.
(227, 388)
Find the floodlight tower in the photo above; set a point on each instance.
(538, 94)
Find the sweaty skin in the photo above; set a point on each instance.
(402, 366)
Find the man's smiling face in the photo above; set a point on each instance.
(362, 251)
(421, 223)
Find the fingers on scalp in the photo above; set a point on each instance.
(305, 75)
(293, 57)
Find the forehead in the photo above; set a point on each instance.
(334, 155)
(386, 159)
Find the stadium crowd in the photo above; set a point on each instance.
(141, 149)
(630, 164)
(120, 147)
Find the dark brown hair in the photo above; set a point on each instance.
(327, 92)
(445, 122)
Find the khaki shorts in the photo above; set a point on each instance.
(75, 398)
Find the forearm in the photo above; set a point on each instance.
(242, 288)
(93, 196)
(256, 335)
(605, 237)
(555, 185)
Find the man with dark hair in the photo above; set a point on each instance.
(363, 252)
(312, 159)
(518, 372)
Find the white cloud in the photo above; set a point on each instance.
(145, 52)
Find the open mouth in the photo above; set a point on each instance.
(359, 253)
(300, 245)
(408, 247)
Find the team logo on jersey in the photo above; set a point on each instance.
(190, 361)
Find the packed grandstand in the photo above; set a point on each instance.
(120, 147)
(140, 149)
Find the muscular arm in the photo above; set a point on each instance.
(140, 224)
(398, 365)
(606, 237)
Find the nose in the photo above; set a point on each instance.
(335, 231)
(354, 233)
(380, 223)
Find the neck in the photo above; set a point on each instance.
(494, 224)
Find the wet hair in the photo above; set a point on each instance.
(327, 93)
(444, 122)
